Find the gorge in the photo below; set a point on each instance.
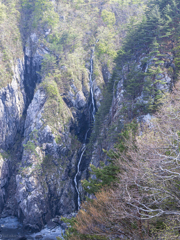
(92, 111)
(73, 75)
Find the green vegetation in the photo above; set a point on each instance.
(69, 30)
(10, 40)
(4, 154)
(52, 89)
(142, 63)
(108, 17)
(126, 205)
(105, 176)
(143, 202)
(56, 114)
(30, 146)
(36, 16)
(143, 38)
(32, 143)
(65, 32)
(155, 35)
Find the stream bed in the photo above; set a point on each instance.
(12, 229)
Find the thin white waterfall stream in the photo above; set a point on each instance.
(91, 87)
(83, 149)
(75, 178)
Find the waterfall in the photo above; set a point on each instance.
(77, 173)
(91, 87)
(92, 112)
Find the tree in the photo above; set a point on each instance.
(107, 175)
(108, 17)
(104, 176)
(144, 204)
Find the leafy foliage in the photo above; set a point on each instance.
(103, 176)
(144, 204)
(69, 30)
(155, 35)
(108, 17)
(106, 175)
(10, 40)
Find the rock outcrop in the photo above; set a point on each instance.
(50, 128)
(12, 107)
(48, 111)
(46, 130)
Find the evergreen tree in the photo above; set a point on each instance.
(106, 175)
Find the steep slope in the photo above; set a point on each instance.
(62, 57)
(147, 67)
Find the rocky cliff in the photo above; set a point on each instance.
(48, 130)
(41, 135)
(44, 128)
(48, 135)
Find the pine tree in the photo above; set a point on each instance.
(106, 175)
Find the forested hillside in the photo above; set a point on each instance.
(136, 195)
(89, 114)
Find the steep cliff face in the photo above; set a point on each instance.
(123, 110)
(38, 182)
(49, 130)
(48, 110)
(12, 106)
(48, 149)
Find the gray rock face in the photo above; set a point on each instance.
(45, 166)
(44, 183)
(43, 134)
(80, 100)
(34, 112)
(4, 177)
(12, 106)
(115, 119)
(44, 187)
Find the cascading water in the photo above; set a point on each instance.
(77, 173)
(91, 87)
(92, 112)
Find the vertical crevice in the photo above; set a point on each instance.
(92, 112)
(31, 78)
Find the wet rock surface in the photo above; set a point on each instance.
(12, 229)
(37, 180)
